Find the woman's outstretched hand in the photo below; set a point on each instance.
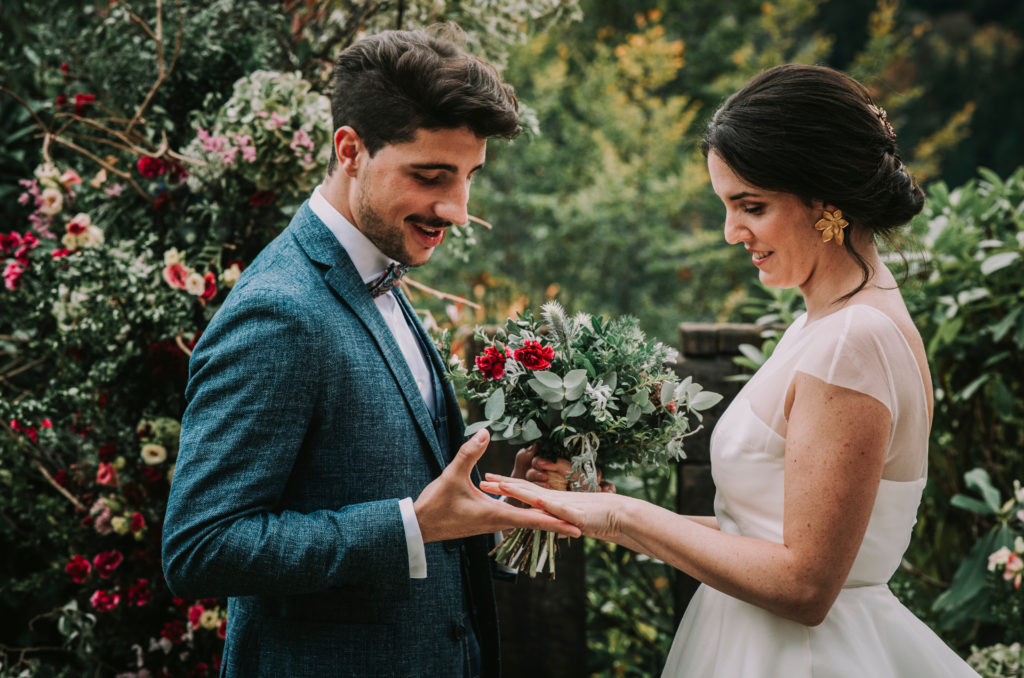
(597, 514)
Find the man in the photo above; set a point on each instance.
(317, 406)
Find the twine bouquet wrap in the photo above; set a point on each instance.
(583, 388)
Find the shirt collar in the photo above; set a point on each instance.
(369, 261)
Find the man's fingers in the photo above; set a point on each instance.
(470, 452)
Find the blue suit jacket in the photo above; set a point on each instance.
(304, 428)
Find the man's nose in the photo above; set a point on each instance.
(453, 206)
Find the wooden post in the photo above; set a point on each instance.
(705, 353)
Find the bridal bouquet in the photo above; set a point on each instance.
(586, 389)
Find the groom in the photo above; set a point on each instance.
(318, 408)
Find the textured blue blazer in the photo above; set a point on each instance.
(304, 427)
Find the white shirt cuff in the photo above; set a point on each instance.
(413, 540)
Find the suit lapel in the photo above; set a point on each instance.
(321, 246)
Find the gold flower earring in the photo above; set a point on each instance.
(831, 226)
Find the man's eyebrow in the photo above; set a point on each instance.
(440, 166)
(744, 194)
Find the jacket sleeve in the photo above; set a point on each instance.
(251, 398)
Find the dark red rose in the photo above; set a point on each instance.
(534, 356)
(106, 562)
(151, 167)
(62, 100)
(492, 362)
(139, 593)
(82, 102)
(210, 291)
(138, 522)
(152, 474)
(222, 630)
(173, 631)
(261, 198)
(61, 477)
(107, 451)
(161, 200)
(79, 568)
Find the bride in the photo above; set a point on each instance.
(820, 461)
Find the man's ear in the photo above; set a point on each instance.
(349, 150)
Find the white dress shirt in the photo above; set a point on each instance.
(370, 262)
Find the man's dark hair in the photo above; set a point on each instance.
(389, 85)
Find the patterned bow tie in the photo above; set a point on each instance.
(391, 277)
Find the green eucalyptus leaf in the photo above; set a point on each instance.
(531, 431)
(495, 406)
(473, 428)
(549, 379)
(575, 410)
(705, 400)
(575, 384)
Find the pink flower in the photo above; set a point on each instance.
(301, 140)
(175, 275)
(79, 224)
(106, 562)
(106, 474)
(114, 191)
(79, 568)
(534, 356)
(492, 362)
(276, 121)
(105, 601)
(12, 273)
(69, 178)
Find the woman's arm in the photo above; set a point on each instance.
(835, 449)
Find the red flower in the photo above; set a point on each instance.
(199, 671)
(106, 562)
(105, 601)
(139, 593)
(534, 356)
(160, 200)
(46, 424)
(62, 100)
(152, 474)
(173, 631)
(261, 198)
(82, 102)
(61, 477)
(211, 287)
(64, 68)
(107, 451)
(194, 613)
(79, 568)
(106, 474)
(492, 362)
(222, 630)
(151, 167)
(138, 522)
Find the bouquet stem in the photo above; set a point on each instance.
(530, 550)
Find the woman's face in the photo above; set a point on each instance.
(776, 228)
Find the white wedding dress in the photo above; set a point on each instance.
(867, 633)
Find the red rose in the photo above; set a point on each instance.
(139, 593)
(533, 356)
(107, 451)
(173, 631)
(106, 562)
(105, 601)
(492, 362)
(62, 100)
(61, 477)
(210, 291)
(138, 522)
(194, 613)
(261, 198)
(79, 568)
(83, 101)
(222, 630)
(151, 167)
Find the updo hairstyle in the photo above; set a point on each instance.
(815, 132)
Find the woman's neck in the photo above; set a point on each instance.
(838, 275)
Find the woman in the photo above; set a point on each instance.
(820, 461)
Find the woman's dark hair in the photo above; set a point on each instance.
(389, 85)
(816, 133)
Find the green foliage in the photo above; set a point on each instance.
(998, 661)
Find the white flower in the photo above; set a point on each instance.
(210, 619)
(120, 525)
(1000, 557)
(92, 237)
(154, 454)
(173, 256)
(47, 174)
(1018, 545)
(195, 284)
(51, 201)
(230, 275)
(70, 240)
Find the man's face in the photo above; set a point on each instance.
(408, 194)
